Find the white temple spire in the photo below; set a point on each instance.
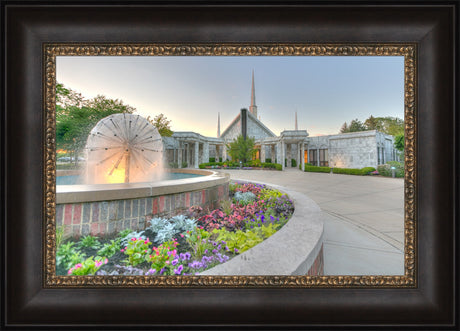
(218, 125)
(253, 107)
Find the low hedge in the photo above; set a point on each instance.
(351, 171)
(309, 168)
(237, 165)
(272, 165)
(210, 164)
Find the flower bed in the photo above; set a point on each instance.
(184, 244)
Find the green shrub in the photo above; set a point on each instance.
(268, 160)
(367, 170)
(255, 163)
(173, 165)
(212, 159)
(346, 171)
(308, 164)
(278, 166)
(184, 164)
(385, 169)
(353, 171)
(317, 169)
(210, 164)
(268, 165)
(293, 163)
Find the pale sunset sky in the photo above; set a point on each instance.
(326, 91)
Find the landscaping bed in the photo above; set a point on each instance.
(185, 244)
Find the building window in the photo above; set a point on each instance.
(378, 155)
(323, 158)
(313, 157)
(383, 155)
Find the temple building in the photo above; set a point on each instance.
(344, 150)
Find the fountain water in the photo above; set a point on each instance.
(123, 148)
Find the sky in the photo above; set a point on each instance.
(325, 91)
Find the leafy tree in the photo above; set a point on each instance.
(399, 142)
(242, 149)
(76, 116)
(355, 125)
(389, 125)
(372, 123)
(162, 124)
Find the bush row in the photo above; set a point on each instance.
(346, 171)
(350, 171)
(230, 164)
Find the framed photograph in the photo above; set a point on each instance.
(53, 53)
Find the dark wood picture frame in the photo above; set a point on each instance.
(28, 26)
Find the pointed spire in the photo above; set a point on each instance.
(253, 107)
(218, 125)
(296, 127)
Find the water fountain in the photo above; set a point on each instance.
(124, 182)
(123, 148)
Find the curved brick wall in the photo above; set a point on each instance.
(107, 209)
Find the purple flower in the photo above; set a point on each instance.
(151, 272)
(236, 250)
(175, 261)
(178, 270)
(162, 271)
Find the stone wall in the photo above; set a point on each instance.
(353, 150)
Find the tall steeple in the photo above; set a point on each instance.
(296, 127)
(253, 107)
(218, 125)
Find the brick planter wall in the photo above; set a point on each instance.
(317, 269)
(108, 217)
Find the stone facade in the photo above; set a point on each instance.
(347, 150)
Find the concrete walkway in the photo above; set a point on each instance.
(363, 218)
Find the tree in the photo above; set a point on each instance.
(389, 125)
(242, 149)
(355, 125)
(372, 123)
(76, 116)
(162, 124)
(344, 128)
(399, 142)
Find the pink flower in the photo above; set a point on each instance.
(182, 235)
(122, 250)
(70, 271)
(106, 261)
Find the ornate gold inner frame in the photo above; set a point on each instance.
(408, 280)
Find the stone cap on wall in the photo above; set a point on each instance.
(105, 192)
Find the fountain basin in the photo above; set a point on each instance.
(100, 209)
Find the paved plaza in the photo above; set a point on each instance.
(363, 218)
